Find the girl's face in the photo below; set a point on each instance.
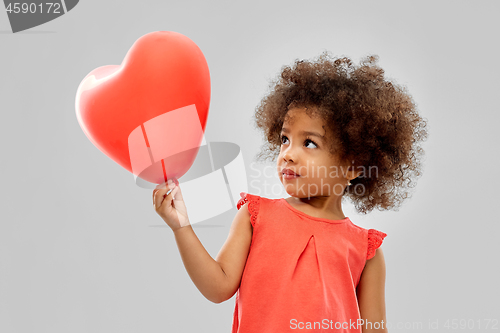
(318, 172)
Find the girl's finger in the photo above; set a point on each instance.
(154, 192)
(158, 187)
(166, 195)
(178, 193)
(175, 192)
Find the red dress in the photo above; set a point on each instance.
(301, 272)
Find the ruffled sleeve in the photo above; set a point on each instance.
(253, 205)
(375, 239)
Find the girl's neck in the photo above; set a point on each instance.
(328, 207)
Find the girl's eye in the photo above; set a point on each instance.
(311, 141)
(307, 140)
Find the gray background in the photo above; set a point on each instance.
(81, 247)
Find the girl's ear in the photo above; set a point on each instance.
(353, 172)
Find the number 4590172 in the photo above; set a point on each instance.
(25, 7)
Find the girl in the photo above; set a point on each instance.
(338, 131)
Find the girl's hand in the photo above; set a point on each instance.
(170, 207)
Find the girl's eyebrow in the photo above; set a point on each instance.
(285, 130)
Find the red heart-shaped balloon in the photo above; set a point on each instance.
(149, 113)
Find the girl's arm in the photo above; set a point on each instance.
(371, 294)
(217, 279)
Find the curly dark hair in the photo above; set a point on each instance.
(372, 122)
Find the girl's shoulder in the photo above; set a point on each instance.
(253, 205)
(255, 202)
(372, 237)
(247, 197)
(375, 239)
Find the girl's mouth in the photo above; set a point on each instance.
(290, 176)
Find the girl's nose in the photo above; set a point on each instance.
(289, 154)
